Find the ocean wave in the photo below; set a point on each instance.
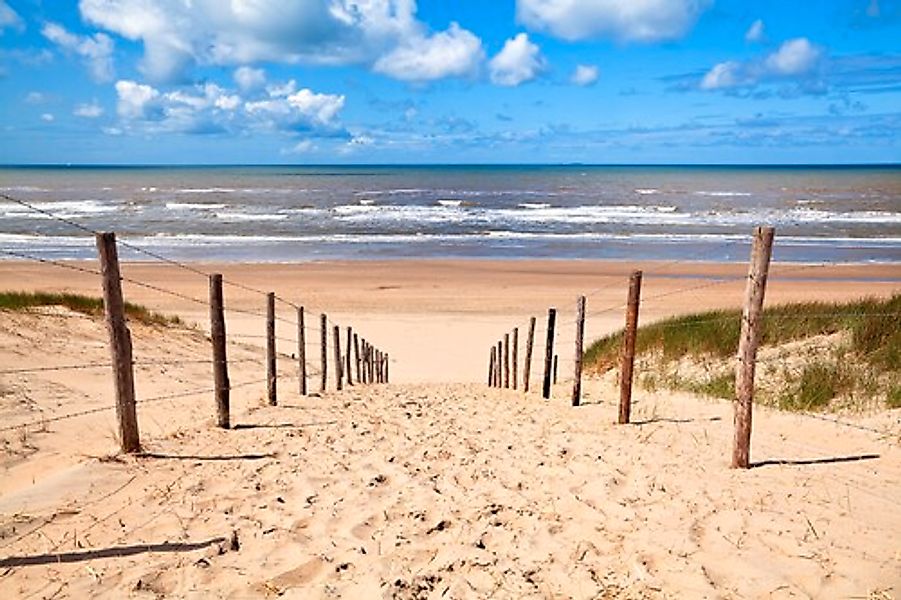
(212, 190)
(193, 206)
(241, 217)
(647, 191)
(534, 205)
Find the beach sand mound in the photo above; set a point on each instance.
(430, 491)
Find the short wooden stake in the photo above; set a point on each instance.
(301, 351)
(549, 352)
(119, 343)
(515, 367)
(627, 361)
(527, 368)
(220, 360)
(506, 360)
(323, 354)
(271, 374)
(580, 335)
(491, 359)
(338, 364)
(747, 345)
(357, 357)
(349, 356)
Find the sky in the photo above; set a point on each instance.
(450, 81)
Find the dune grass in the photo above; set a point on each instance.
(873, 354)
(86, 305)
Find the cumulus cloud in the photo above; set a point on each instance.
(88, 111)
(796, 59)
(452, 53)
(209, 108)
(249, 78)
(177, 34)
(518, 61)
(632, 20)
(96, 50)
(585, 75)
(47, 118)
(756, 32)
(9, 18)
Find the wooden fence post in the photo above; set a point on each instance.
(338, 363)
(301, 351)
(491, 359)
(323, 355)
(556, 357)
(627, 362)
(747, 345)
(506, 360)
(119, 343)
(500, 363)
(357, 357)
(527, 368)
(378, 366)
(349, 357)
(515, 356)
(387, 363)
(549, 352)
(220, 361)
(580, 334)
(271, 375)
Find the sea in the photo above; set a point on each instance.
(306, 213)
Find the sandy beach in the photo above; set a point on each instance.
(435, 485)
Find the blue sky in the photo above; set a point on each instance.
(496, 81)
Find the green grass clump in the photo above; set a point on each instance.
(80, 304)
(872, 324)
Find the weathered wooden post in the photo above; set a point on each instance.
(357, 357)
(506, 360)
(515, 367)
(627, 362)
(500, 363)
(119, 343)
(349, 356)
(747, 345)
(491, 359)
(387, 362)
(301, 352)
(220, 361)
(580, 334)
(323, 355)
(556, 358)
(271, 374)
(338, 363)
(378, 366)
(527, 368)
(549, 352)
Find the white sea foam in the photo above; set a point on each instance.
(647, 191)
(534, 205)
(450, 202)
(193, 206)
(240, 217)
(212, 190)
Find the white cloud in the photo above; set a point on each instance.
(452, 53)
(626, 20)
(136, 100)
(301, 147)
(209, 108)
(794, 57)
(722, 76)
(249, 78)
(756, 32)
(9, 18)
(518, 61)
(47, 118)
(585, 75)
(178, 34)
(88, 111)
(35, 98)
(97, 51)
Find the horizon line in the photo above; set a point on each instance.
(449, 164)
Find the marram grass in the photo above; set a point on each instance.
(81, 304)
